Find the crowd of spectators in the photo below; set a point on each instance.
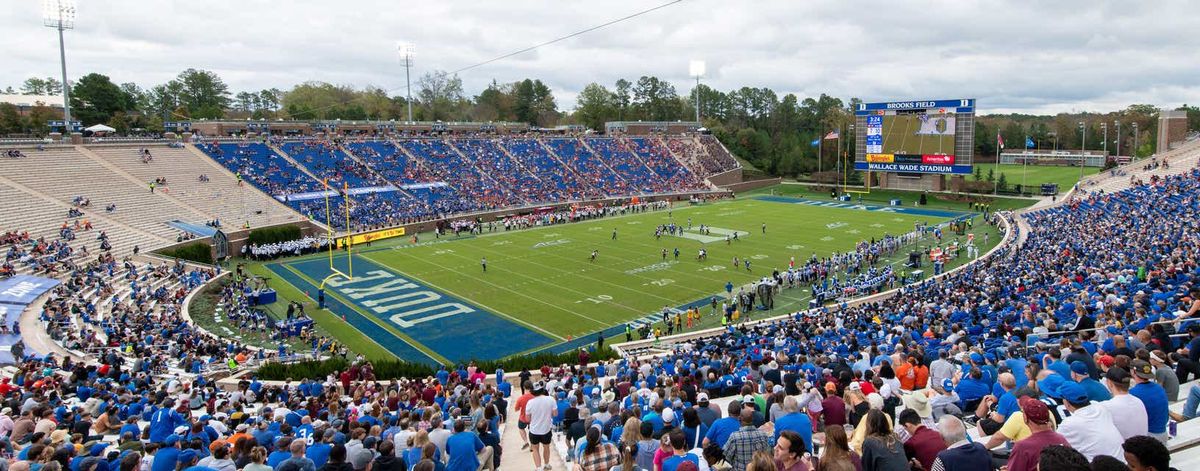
(1054, 352)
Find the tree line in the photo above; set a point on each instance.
(778, 135)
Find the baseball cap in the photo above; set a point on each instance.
(187, 456)
(668, 415)
(976, 358)
(1142, 369)
(1117, 374)
(1049, 385)
(1106, 360)
(1035, 411)
(702, 398)
(1079, 367)
(831, 386)
(854, 386)
(947, 384)
(172, 439)
(1072, 392)
(748, 399)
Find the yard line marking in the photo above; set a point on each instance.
(473, 300)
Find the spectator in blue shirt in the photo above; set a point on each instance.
(795, 421)
(1153, 397)
(1096, 392)
(466, 450)
(722, 428)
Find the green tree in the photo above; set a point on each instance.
(623, 99)
(978, 173)
(595, 105)
(534, 103)
(1002, 183)
(40, 86)
(991, 175)
(95, 98)
(203, 94)
(440, 96)
(655, 100)
(10, 119)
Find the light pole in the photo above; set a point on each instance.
(696, 69)
(60, 15)
(406, 60)
(1135, 136)
(1082, 146)
(1104, 126)
(1117, 124)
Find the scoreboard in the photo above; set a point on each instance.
(915, 137)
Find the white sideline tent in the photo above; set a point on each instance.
(99, 128)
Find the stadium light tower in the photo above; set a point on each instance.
(60, 15)
(1135, 136)
(696, 69)
(1117, 124)
(406, 59)
(1104, 127)
(1082, 146)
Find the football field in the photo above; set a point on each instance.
(432, 301)
(901, 136)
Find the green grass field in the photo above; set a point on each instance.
(1036, 175)
(882, 197)
(542, 279)
(900, 136)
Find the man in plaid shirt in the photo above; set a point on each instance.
(598, 454)
(740, 448)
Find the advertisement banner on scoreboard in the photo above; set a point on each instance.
(941, 106)
(937, 159)
(913, 168)
(881, 158)
(365, 237)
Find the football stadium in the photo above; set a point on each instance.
(505, 262)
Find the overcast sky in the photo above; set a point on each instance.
(1025, 56)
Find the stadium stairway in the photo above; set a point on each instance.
(63, 173)
(570, 168)
(23, 209)
(220, 197)
(280, 152)
(486, 172)
(1182, 158)
(515, 458)
(691, 160)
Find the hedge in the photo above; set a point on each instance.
(198, 252)
(271, 235)
(392, 369)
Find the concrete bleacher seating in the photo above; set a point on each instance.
(41, 216)
(220, 196)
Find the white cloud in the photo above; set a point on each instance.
(1014, 56)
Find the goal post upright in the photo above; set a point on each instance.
(334, 244)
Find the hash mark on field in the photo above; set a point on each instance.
(898, 219)
(633, 222)
(795, 247)
(877, 225)
(826, 239)
(853, 231)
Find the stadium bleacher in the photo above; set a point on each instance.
(1121, 254)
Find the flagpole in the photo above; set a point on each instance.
(820, 142)
(1024, 165)
(995, 180)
